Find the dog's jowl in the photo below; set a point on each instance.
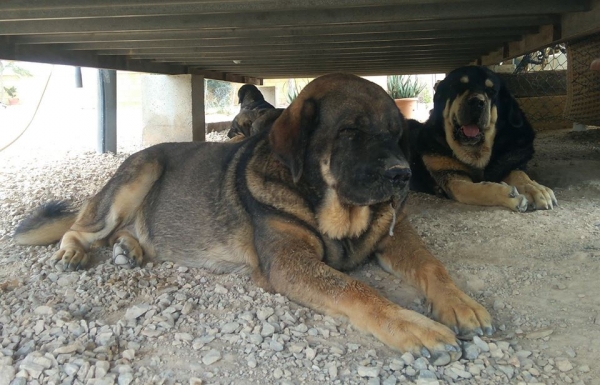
(476, 144)
(319, 192)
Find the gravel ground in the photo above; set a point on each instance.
(537, 273)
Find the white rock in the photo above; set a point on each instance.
(125, 378)
(211, 357)
(368, 371)
(43, 310)
(136, 311)
(7, 374)
(230, 327)
(563, 364)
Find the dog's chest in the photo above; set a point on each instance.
(348, 253)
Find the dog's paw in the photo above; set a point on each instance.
(539, 197)
(461, 313)
(409, 331)
(515, 200)
(71, 258)
(126, 254)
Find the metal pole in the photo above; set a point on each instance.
(107, 111)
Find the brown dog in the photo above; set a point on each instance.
(319, 192)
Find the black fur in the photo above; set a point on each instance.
(49, 211)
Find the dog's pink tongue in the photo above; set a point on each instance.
(470, 130)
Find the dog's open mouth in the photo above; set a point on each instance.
(469, 133)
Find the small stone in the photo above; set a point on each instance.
(7, 374)
(187, 308)
(391, 380)
(120, 260)
(267, 330)
(211, 357)
(442, 360)
(396, 365)
(70, 369)
(310, 354)
(584, 368)
(368, 371)
(34, 370)
(278, 373)
(43, 310)
(251, 362)
(125, 378)
(333, 371)
(563, 364)
(481, 344)
(195, 381)
(128, 354)
(276, 346)
(136, 311)
(427, 374)
(230, 327)
(184, 337)
(420, 363)
(68, 349)
(498, 305)
(182, 269)
(471, 351)
(508, 370)
(540, 334)
(219, 289)
(265, 313)
(408, 358)
(523, 353)
(101, 369)
(461, 372)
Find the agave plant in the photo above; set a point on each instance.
(404, 86)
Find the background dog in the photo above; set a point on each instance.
(252, 106)
(319, 192)
(475, 146)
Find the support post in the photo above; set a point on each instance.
(107, 111)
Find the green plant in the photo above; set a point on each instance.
(294, 86)
(425, 96)
(11, 91)
(404, 86)
(19, 71)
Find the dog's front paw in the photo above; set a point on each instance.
(71, 257)
(515, 200)
(539, 197)
(408, 331)
(461, 313)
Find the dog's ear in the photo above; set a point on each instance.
(241, 93)
(290, 133)
(508, 107)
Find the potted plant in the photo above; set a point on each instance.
(405, 90)
(12, 95)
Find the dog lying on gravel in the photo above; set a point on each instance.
(252, 107)
(475, 146)
(316, 194)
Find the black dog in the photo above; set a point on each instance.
(476, 134)
(252, 106)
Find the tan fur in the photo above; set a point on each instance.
(464, 79)
(489, 83)
(47, 234)
(540, 195)
(474, 156)
(464, 190)
(443, 163)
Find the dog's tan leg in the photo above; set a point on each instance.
(113, 207)
(405, 254)
(463, 190)
(540, 197)
(290, 258)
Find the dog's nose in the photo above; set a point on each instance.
(476, 103)
(398, 173)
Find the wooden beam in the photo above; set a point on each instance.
(493, 57)
(579, 24)
(546, 36)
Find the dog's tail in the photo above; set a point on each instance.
(46, 224)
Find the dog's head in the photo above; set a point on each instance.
(345, 133)
(469, 102)
(242, 123)
(248, 94)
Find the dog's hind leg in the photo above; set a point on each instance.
(114, 207)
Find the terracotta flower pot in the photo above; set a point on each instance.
(407, 106)
(13, 101)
